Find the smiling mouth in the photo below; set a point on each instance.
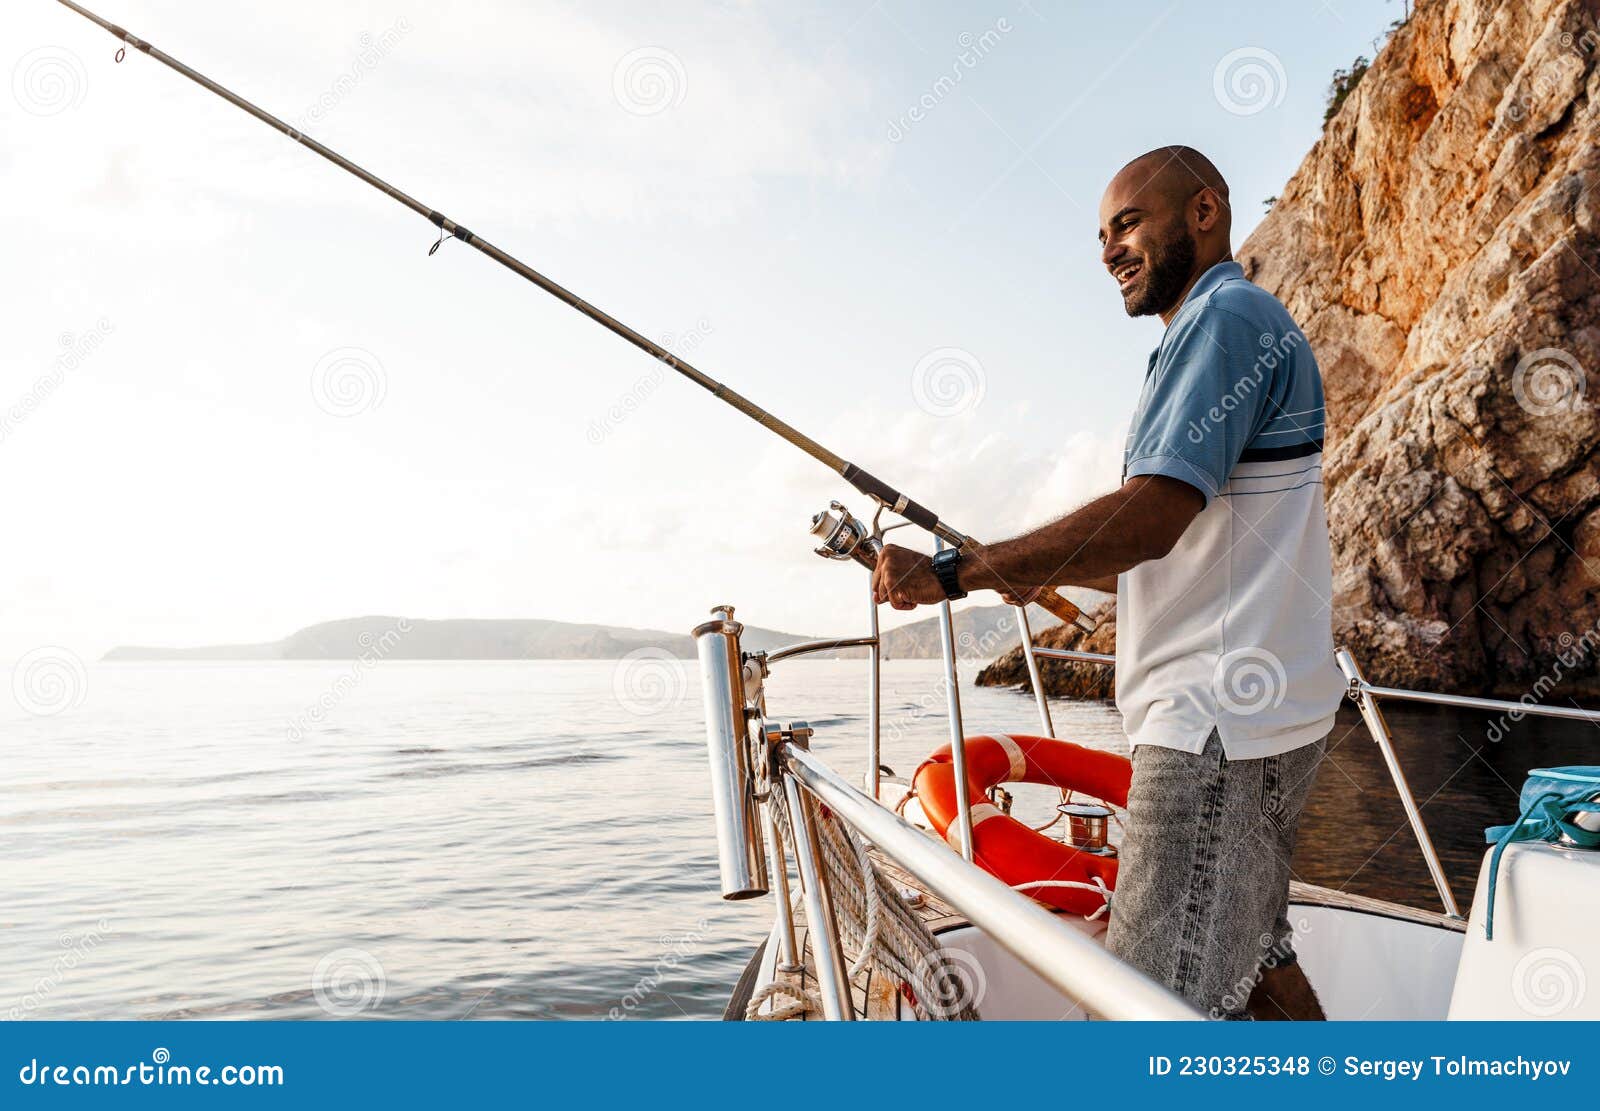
(1127, 272)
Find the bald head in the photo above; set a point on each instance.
(1164, 220)
(1175, 174)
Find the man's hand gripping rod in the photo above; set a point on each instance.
(881, 492)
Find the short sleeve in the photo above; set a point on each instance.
(1203, 403)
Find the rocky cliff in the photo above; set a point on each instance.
(1063, 678)
(1440, 246)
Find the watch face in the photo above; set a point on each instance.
(944, 569)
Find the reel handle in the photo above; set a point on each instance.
(1057, 604)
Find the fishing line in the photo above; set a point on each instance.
(867, 483)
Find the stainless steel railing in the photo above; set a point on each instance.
(1081, 657)
(1072, 963)
(749, 861)
(1366, 697)
(1362, 693)
(750, 771)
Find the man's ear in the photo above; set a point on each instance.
(1208, 209)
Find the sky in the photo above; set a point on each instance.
(238, 396)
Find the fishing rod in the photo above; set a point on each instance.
(875, 488)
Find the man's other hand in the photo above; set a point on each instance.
(905, 579)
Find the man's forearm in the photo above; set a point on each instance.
(1088, 546)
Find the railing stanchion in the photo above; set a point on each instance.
(1034, 678)
(958, 750)
(1379, 729)
(874, 691)
(778, 869)
(820, 922)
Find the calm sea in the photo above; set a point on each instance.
(510, 840)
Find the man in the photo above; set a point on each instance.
(1217, 547)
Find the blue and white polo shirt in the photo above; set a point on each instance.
(1232, 629)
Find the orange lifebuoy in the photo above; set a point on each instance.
(1012, 850)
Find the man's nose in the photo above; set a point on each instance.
(1110, 253)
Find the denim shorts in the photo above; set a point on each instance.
(1202, 895)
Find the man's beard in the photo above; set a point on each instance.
(1166, 272)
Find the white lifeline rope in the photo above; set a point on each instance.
(1098, 885)
(887, 936)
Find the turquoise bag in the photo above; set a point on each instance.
(1551, 799)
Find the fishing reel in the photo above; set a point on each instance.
(846, 536)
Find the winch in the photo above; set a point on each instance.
(1086, 827)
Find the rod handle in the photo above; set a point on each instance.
(1054, 601)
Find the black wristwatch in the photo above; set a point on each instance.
(946, 568)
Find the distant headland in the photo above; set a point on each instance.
(982, 632)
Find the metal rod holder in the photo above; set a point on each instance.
(740, 857)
